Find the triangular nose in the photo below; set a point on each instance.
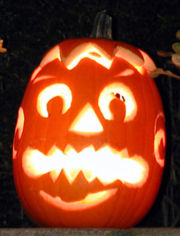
(86, 122)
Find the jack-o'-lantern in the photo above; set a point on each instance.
(89, 142)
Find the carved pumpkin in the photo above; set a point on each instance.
(89, 142)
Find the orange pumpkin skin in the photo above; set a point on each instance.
(99, 170)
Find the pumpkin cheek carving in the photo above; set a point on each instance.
(77, 142)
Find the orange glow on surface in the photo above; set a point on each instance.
(106, 164)
(107, 95)
(159, 138)
(14, 152)
(19, 128)
(80, 123)
(89, 201)
(20, 122)
(50, 92)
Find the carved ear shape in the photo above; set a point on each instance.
(96, 53)
(52, 54)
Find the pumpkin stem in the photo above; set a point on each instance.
(102, 26)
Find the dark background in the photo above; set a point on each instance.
(29, 28)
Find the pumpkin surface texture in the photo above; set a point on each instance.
(89, 143)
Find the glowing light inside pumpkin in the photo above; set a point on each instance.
(88, 50)
(106, 164)
(80, 123)
(92, 199)
(50, 92)
(159, 138)
(107, 95)
(140, 69)
(95, 53)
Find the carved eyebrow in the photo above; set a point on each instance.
(96, 53)
(128, 55)
(135, 59)
(138, 58)
(87, 50)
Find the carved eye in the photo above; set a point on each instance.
(55, 90)
(119, 91)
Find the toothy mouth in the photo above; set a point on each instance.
(92, 199)
(106, 164)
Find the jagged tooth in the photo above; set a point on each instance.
(88, 175)
(70, 151)
(57, 159)
(71, 174)
(55, 174)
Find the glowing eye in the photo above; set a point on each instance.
(60, 90)
(122, 92)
